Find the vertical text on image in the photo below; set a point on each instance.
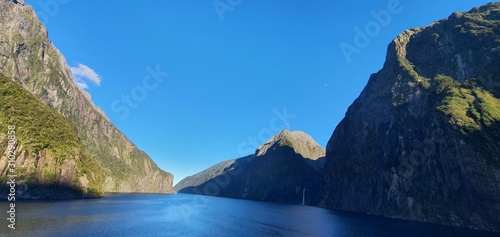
(11, 175)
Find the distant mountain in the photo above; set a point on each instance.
(29, 58)
(278, 171)
(51, 161)
(422, 141)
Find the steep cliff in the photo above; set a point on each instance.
(422, 141)
(28, 57)
(278, 171)
(50, 160)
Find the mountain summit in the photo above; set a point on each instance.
(300, 142)
(422, 141)
(278, 171)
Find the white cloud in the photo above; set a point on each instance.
(83, 74)
(82, 85)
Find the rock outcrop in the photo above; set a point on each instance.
(422, 141)
(29, 58)
(278, 171)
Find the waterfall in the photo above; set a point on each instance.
(303, 196)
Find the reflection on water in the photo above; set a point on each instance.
(193, 215)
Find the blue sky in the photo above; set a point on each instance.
(193, 83)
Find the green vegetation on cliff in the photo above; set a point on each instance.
(421, 142)
(41, 130)
(468, 107)
(39, 127)
(31, 60)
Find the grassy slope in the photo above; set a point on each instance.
(40, 128)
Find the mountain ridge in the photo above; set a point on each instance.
(421, 140)
(300, 142)
(275, 172)
(28, 57)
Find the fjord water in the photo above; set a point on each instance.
(193, 215)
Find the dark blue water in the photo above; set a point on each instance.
(193, 215)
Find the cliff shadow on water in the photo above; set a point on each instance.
(43, 192)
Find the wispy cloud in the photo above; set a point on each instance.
(84, 74)
(82, 85)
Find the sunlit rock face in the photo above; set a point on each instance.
(28, 57)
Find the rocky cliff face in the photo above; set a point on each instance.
(28, 57)
(42, 149)
(278, 171)
(422, 141)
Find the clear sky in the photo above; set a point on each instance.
(193, 83)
